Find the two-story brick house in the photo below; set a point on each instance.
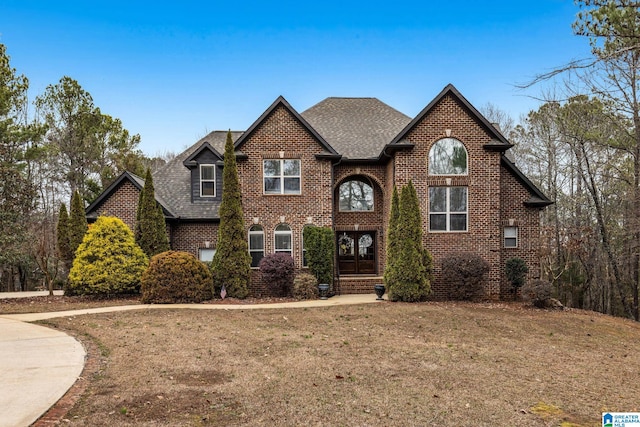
(335, 165)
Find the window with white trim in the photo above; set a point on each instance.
(281, 176)
(283, 239)
(511, 237)
(448, 209)
(448, 156)
(206, 254)
(256, 244)
(207, 180)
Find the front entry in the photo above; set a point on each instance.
(356, 252)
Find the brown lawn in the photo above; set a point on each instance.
(387, 364)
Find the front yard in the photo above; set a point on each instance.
(448, 364)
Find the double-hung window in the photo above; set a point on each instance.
(256, 245)
(448, 209)
(207, 181)
(283, 239)
(511, 237)
(281, 176)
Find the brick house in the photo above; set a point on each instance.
(335, 165)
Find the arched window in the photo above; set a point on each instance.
(448, 157)
(283, 239)
(355, 195)
(256, 244)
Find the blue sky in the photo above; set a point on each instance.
(174, 71)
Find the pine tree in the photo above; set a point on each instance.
(151, 229)
(62, 236)
(231, 266)
(77, 223)
(406, 277)
(392, 233)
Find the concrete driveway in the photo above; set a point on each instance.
(37, 366)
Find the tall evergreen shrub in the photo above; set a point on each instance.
(62, 237)
(407, 278)
(392, 234)
(77, 222)
(151, 229)
(320, 249)
(231, 266)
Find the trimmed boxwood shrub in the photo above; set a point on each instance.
(108, 261)
(465, 272)
(305, 286)
(176, 277)
(278, 271)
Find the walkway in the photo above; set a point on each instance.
(38, 365)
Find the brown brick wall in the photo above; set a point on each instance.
(528, 222)
(281, 132)
(123, 204)
(483, 182)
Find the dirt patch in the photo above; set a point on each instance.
(385, 364)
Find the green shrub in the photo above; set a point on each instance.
(108, 261)
(320, 252)
(231, 265)
(278, 271)
(406, 276)
(176, 277)
(537, 292)
(305, 286)
(465, 272)
(516, 270)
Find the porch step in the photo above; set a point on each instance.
(357, 284)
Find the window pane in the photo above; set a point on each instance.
(355, 195)
(292, 185)
(448, 157)
(207, 172)
(510, 232)
(272, 185)
(438, 222)
(291, 167)
(458, 202)
(208, 188)
(437, 199)
(510, 242)
(206, 255)
(255, 258)
(283, 241)
(256, 241)
(272, 168)
(283, 227)
(458, 222)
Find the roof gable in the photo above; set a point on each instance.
(328, 150)
(498, 142)
(192, 160)
(137, 181)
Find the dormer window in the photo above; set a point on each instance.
(207, 181)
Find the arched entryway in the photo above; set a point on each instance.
(358, 211)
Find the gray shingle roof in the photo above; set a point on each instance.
(357, 128)
(172, 182)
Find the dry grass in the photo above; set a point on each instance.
(387, 364)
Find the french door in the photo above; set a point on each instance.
(356, 252)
